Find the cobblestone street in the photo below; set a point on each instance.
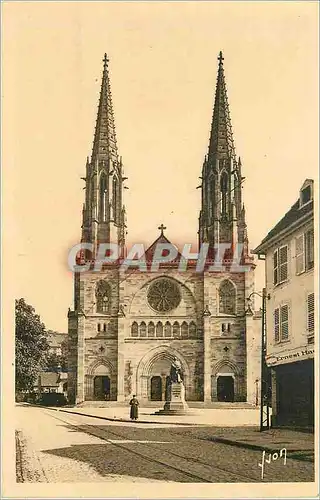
(58, 447)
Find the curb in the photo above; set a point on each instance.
(268, 449)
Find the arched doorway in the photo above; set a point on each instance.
(225, 388)
(155, 366)
(156, 388)
(101, 381)
(101, 388)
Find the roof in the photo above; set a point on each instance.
(55, 338)
(149, 253)
(49, 379)
(291, 217)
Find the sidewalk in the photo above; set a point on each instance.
(299, 444)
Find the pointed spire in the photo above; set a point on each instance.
(221, 138)
(105, 143)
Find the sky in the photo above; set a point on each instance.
(163, 68)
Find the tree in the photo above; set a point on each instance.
(31, 346)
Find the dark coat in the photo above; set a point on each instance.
(134, 403)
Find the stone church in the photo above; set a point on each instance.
(127, 326)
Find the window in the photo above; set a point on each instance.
(104, 327)
(176, 329)
(102, 198)
(281, 323)
(300, 254)
(143, 329)
(310, 313)
(227, 298)
(224, 189)
(305, 252)
(280, 265)
(159, 329)
(305, 195)
(115, 198)
(134, 329)
(309, 249)
(99, 327)
(151, 329)
(184, 329)
(226, 327)
(167, 329)
(103, 297)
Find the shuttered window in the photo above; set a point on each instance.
(281, 323)
(284, 322)
(300, 254)
(280, 265)
(276, 325)
(309, 246)
(310, 309)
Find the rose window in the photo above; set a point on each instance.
(164, 295)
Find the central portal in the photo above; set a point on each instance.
(225, 388)
(159, 379)
(156, 388)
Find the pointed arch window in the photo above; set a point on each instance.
(103, 297)
(184, 329)
(224, 191)
(151, 329)
(212, 195)
(159, 329)
(227, 298)
(134, 329)
(115, 198)
(143, 329)
(176, 329)
(167, 329)
(103, 198)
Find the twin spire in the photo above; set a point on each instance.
(221, 142)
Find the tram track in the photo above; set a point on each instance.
(193, 469)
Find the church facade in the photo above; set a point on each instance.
(127, 326)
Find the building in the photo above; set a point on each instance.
(289, 266)
(127, 326)
(49, 382)
(57, 342)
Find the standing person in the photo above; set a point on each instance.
(134, 403)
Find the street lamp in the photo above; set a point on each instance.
(264, 386)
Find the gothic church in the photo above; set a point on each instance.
(127, 326)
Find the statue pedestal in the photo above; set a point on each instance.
(176, 404)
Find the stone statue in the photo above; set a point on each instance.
(176, 371)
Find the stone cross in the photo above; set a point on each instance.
(162, 228)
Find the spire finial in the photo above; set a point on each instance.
(220, 58)
(162, 228)
(105, 61)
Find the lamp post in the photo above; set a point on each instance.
(264, 385)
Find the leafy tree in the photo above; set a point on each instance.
(31, 346)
